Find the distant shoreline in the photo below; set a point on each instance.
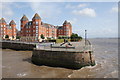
(105, 38)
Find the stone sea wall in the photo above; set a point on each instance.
(17, 46)
(62, 58)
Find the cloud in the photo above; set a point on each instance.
(85, 12)
(75, 6)
(82, 5)
(114, 9)
(45, 10)
(16, 5)
(69, 6)
(6, 10)
(73, 21)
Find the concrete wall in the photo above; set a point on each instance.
(62, 59)
(17, 46)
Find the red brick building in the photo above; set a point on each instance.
(7, 29)
(65, 30)
(32, 30)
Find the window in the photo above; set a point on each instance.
(36, 23)
(33, 26)
(36, 32)
(53, 31)
(36, 35)
(30, 23)
(21, 23)
(66, 29)
(27, 23)
(66, 32)
(36, 27)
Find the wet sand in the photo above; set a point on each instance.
(18, 64)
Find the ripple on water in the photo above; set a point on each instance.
(84, 72)
(21, 74)
(113, 74)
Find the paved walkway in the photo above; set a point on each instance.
(76, 46)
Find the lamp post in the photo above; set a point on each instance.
(85, 37)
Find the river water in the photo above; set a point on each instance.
(17, 64)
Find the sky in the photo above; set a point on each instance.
(100, 19)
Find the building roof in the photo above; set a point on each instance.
(12, 22)
(45, 25)
(59, 27)
(2, 20)
(48, 25)
(66, 22)
(36, 16)
(24, 18)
